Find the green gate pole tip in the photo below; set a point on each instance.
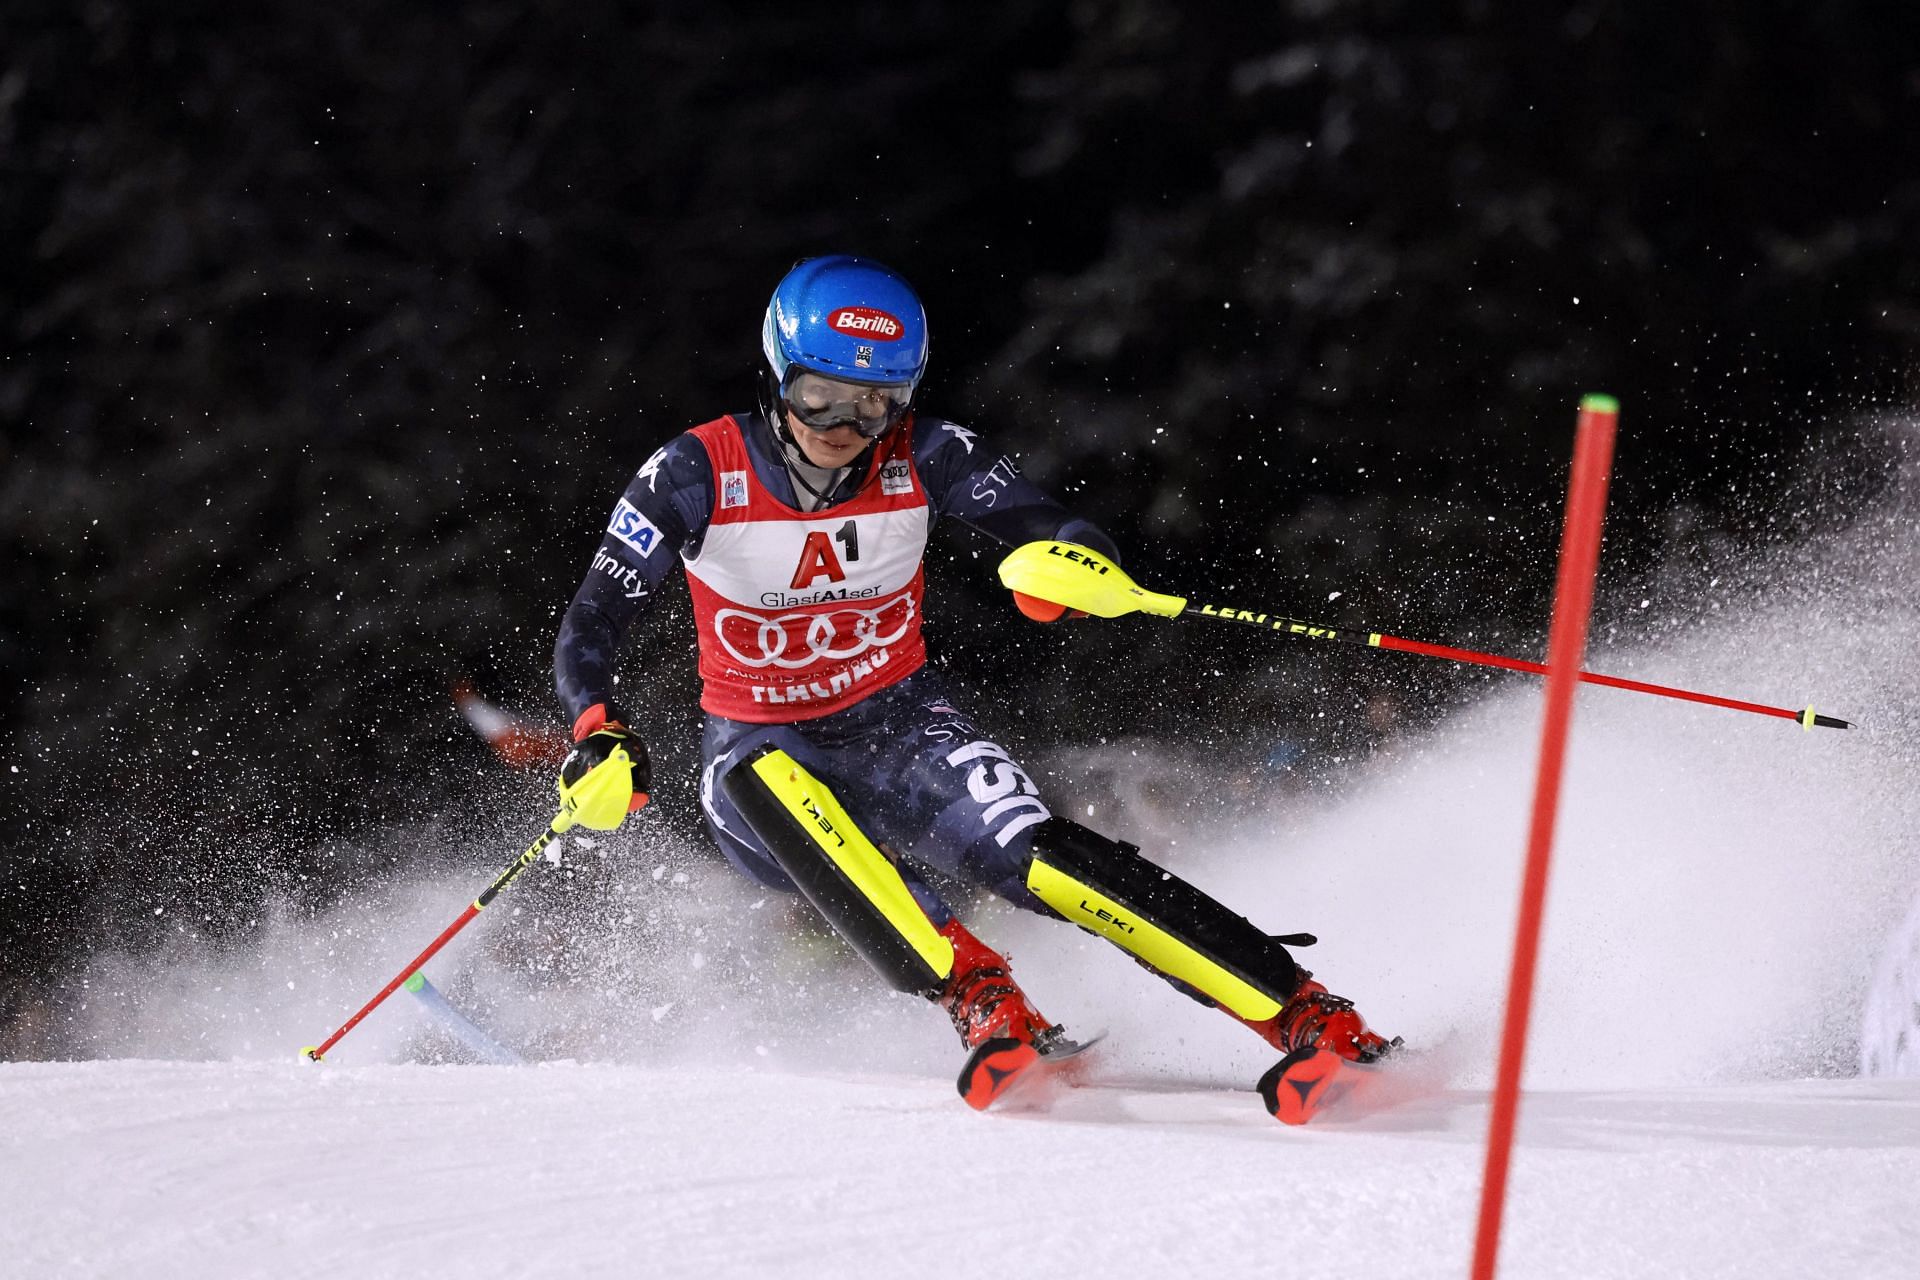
(1599, 404)
(416, 982)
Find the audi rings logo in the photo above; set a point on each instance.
(796, 640)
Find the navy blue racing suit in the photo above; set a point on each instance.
(905, 761)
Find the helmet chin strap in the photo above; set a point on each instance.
(803, 471)
(798, 464)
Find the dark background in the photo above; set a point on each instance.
(328, 335)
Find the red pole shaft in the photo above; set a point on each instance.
(1589, 677)
(1566, 650)
(419, 962)
(561, 821)
(1400, 644)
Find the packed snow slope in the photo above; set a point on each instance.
(723, 1092)
(160, 1170)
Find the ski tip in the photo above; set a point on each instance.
(1296, 1087)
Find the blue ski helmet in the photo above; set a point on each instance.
(847, 318)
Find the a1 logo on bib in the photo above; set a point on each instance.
(733, 489)
(634, 529)
(896, 477)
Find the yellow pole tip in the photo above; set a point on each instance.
(312, 1054)
(1599, 404)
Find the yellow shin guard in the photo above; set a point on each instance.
(854, 885)
(1108, 888)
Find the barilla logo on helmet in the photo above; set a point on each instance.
(866, 322)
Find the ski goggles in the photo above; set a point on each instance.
(824, 403)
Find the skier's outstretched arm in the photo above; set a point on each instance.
(975, 483)
(661, 516)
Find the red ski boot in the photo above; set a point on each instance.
(991, 1013)
(1319, 1033)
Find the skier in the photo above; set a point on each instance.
(834, 760)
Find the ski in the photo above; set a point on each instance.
(1003, 1066)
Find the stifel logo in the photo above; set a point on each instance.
(866, 322)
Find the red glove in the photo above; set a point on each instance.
(1043, 610)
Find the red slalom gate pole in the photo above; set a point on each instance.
(1566, 651)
